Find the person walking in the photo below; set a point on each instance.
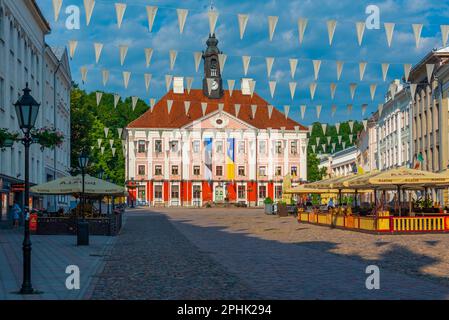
(16, 211)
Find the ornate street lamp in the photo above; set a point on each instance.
(82, 231)
(27, 110)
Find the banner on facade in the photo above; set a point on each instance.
(208, 158)
(230, 159)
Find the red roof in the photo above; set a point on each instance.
(159, 117)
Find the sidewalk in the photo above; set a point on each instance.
(50, 257)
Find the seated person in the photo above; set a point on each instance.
(330, 204)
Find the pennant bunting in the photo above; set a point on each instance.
(373, 89)
(333, 110)
(187, 107)
(316, 68)
(147, 77)
(352, 88)
(270, 111)
(269, 62)
(365, 124)
(231, 84)
(222, 61)
(151, 14)
(105, 75)
(413, 90)
(389, 30)
(302, 26)
(114, 150)
(204, 107)
(312, 89)
(173, 55)
(168, 81)
(253, 110)
(324, 127)
(73, 44)
(213, 17)
(57, 5)
(385, 67)
(417, 29)
(246, 60)
(123, 52)
(293, 66)
(148, 56)
(360, 27)
(126, 77)
(89, 6)
(340, 138)
(318, 111)
(444, 34)
(237, 110)
(98, 95)
(292, 86)
(134, 102)
(349, 108)
(351, 126)
(331, 25)
(197, 56)
(340, 65)
(407, 69)
(337, 126)
(189, 81)
(303, 111)
(380, 108)
(120, 9)
(182, 16)
(429, 69)
(364, 107)
(169, 105)
(120, 132)
(362, 68)
(272, 23)
(84, 74)
(252, 87)
(286, 111)
(243, 21)
(333, 89)
(152, 104)
(116, 100)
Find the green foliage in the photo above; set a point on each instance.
(87, 124)
(268, 201)
(314, 174)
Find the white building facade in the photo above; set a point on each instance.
(25, 58)
(341, 163)
(394, 133)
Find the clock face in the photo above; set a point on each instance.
(214, 85)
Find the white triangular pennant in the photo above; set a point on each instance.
(168, 81)
(407, 69)
(151, 14)
(222, 61)
(352, 88)
(365, 124)
(57, 5)
(243, 21)
(286, 111)
(351, 138)
(173, 55)
(340, 65)
(213, 17)
(231, 84)
(444, 34)
(197, 56)
(114, 150)
(84, 74)
(252, 87)
(312, 88)
(364, 107)
(351, 126)
(204, 107)
(270, 111)
(344, 144)
(292, 86)
(237, 110)
(147, 77)
(318, 111)
(169, 105)
(314, 149)
(316, 68)
(302, 26)
(120, 132)
(360, 27)
(329, 139)
(293, 67)
(189, 81)
(340, 139)
(331, 25)
(337, 126)
(269, 61)
(380, 107)
(152, 104)
(417, 29)
(126, 77)
(303, 111)
(72, 48)
(134, 102)
(187, 107)
(246, 60)
(116, 100)
(98, 47)
(272, 22)
(148, 56)
(182, 16)
(385, 67)
(373, 89)
(105, 75)
(333, 89)
(389, 29)
(120, 9)
(98, 95)
(272, 85)
(99, 141)
(102, 150)
(253, 110)
(111, 143)
(362, 68)
(333, 110)
(123, 52)
(324, 127)
(89, 6)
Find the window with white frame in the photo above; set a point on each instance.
(241, 191)
(241, 147)
(219, 147)
(263, 171)
(175, 192)
(158, 146)
(278, 192)
(241, 171)
(262, 192)
(174, 146)
(158, 192)
(196, 170)
(294, 147)
(262, 147)
(196, 146)
(279, 147)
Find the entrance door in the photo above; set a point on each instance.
(219, 194)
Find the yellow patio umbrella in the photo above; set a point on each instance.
(73, 186)
(306, 190)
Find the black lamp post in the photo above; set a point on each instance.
(101, 175)
(27, 110)
(83, 227)
(107, 197)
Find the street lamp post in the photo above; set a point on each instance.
(82, 232)
(27, 110)
(101, 175)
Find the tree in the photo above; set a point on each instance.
(88, 122)
(313, 172)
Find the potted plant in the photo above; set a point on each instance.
(48, 137)
(268, 205)
(282, 209)
(7, 138)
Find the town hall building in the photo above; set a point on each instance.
(213, 146)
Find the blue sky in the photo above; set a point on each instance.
(285, 45)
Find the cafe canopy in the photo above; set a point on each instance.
(74, 186)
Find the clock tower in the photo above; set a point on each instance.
(212, 73)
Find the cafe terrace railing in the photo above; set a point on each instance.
(381, 224)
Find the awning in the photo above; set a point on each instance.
(73, 186)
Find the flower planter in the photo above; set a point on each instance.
(282, 210)
(269, 209)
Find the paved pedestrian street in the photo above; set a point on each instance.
(244, 254)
